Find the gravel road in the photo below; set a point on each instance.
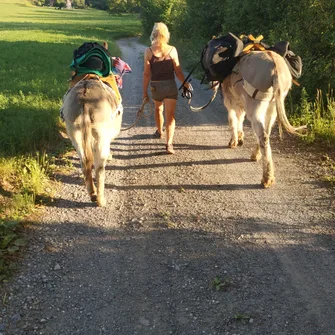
(188, 244)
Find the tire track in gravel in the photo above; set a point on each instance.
(145, 264)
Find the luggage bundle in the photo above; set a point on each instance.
(221, 54)
(91, 57)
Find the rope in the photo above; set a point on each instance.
(215, 88)
(140, 113)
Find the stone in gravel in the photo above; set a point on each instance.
(15, 318)
(144, 321)
(57, 267)
(2, 327)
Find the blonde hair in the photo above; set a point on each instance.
(160, 34)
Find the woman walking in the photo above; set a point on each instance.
(161, 64)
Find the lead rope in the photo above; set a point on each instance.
(140, 113)
(215, 88)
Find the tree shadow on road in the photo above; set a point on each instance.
(152, 279)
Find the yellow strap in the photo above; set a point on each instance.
(295, 82)
(254, 44)
(110, 80)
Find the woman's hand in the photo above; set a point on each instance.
(188, 86)
(145, 96)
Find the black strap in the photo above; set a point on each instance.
(186, 93)
(189, 75)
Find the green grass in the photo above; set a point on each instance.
(319, 116)
(37, 45)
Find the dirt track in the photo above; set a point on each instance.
(146, 263)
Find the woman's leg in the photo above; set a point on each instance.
(170, 107)
(159, 117)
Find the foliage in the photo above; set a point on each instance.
(220, 284)
(167, 11)
(60, 4)
(78, 4)
(242, 317)
(10, 245)
(123, 6)
(23, 181)
(318, 115)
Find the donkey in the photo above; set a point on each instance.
(257, 89)
(93, 115)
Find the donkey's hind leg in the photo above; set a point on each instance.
(86, 162)
(268, 168)
(240, 113)
(233, 125)
(259, 114)
(101, 154)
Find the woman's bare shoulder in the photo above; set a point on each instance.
(173, 51)
(148, 52)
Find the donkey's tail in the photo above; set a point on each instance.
(87, 159)
(279, 96)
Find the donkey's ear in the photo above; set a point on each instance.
(105, 44)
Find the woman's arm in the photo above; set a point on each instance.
(146, 73)
(177, 67)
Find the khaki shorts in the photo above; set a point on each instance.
(165, 89)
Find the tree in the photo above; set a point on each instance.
(166, 11)
(78, 3)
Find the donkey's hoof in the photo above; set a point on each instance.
(255, 157)
(240, 142)
(232, 144)
(268, 182)
(101, 202)
(94, 198)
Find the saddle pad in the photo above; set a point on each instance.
(110, 81)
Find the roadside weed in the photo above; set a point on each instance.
(10, 245)
(166, 219)
(329, 166)
(220, 284)
(165, 215)
(244, 318)
(22, 180)
(318, 115)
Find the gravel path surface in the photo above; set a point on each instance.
(188, 244)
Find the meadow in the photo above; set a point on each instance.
(37, 45)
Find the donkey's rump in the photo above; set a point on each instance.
(100, 98)
(258, 68)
